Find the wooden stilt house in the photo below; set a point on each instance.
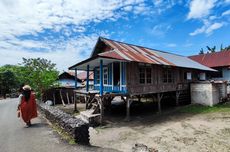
(131, 71)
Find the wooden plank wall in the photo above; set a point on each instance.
(157, 85)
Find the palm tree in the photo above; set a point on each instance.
(201, 51)
(211, 50)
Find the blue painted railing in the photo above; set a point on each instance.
(114, 89)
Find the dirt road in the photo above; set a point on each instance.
(209, 132)
(14, 137)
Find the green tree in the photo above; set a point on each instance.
(227, 48)
(40, 73)
(18, 72)
(221, 47)
(211, 50)
(201, 51)
(8, 82)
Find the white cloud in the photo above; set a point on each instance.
(160, 30)
(157, 2)
(171, 45)
(213, 27)
(200, 8)
(67, 54)
(141, 9)
(208, 12)
(26, 16)
(207, 28)
(163, 5)
(198, 31)
(226, 12)
(33, 17)
(128, 8)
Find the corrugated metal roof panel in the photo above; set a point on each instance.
(145, 55)
(182, 61)
(217, 59)
(113, 54)
(128, 52)
(83, 75)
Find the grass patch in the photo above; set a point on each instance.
(64, 135)
(195, 109)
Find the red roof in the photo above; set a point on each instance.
(130, 52)
(83, 75)
(71, 73)
(217, 59)
(111, 54)
(106, 48)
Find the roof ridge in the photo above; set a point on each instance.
(142, 46)
(210, 53)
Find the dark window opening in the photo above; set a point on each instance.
(168, 76)
(142, 75)
(149, 75)
(116, 73)
(105, 78)
(218, 74)
(145, 75)
(97, 76)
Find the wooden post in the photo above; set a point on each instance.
(75, 102)
(177, 97)
(139, 98)
(87, 79)
(76, 78)
(127, 109)
(101, 109)
(87, 99)
(67, 96)
(159, 97)
(128, 103)
(54, 99)
(61, 98)
(101, 77)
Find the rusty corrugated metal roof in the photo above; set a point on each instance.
(129, 52)
(217, 59)
(83, 75)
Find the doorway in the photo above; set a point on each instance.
(116, 74)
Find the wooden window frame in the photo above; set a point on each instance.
(168, 76)
(145, 76)
(107, 76)
(97, 76)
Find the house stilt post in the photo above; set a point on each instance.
(87, 79)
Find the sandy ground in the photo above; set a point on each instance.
(168, 132)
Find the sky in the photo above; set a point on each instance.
(65, 31)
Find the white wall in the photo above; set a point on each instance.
(207, 93)
(226, 74)
(201, 93)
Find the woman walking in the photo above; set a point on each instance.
(27, 105)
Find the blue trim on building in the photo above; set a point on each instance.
(123, 74)
(87, 79)
(101, 77)
(109, 88)
(76, 78)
